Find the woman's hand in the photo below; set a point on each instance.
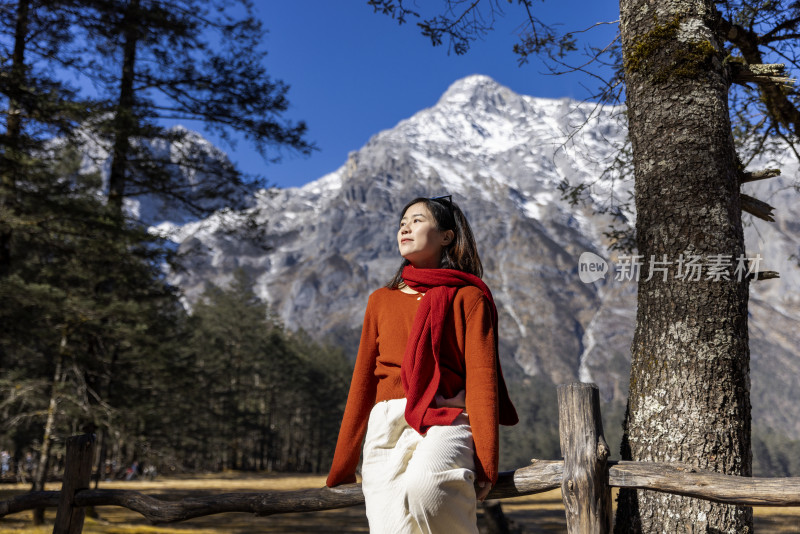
(483, 490)
(459, 401)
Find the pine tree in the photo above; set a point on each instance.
(37, 105)
(92, 336)
(192, 61)
(80, 292)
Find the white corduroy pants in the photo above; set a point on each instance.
(416, 484)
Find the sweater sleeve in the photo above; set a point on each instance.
(480, 355)
(360, 401)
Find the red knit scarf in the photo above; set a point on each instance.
(420, 371)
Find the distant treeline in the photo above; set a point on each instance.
(225, 387)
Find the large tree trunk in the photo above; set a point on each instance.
(689, 390)
(125, 120)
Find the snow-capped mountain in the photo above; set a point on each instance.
(502, 156)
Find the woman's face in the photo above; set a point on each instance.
(419, 240)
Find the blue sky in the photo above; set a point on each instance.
(354, 73)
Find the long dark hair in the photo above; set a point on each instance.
(461, 253)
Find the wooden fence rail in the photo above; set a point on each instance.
(584, 476)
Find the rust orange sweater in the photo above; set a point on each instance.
(469, 335)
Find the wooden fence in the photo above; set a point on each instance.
(584, 476)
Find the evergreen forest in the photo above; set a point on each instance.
(92, 336)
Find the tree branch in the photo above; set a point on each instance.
(760, 73)
(746, 177)
(763, 275)
(785, 25)
(779, 107)
(756, 207)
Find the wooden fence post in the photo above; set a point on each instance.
(77, 474)
(584, 487)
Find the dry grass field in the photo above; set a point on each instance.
(541, 513)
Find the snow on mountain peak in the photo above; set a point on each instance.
(471, 87)
(482, 94)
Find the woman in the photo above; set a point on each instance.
(427, 383)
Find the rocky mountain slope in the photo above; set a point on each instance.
(502, 156)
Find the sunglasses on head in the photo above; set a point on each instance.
(447, 200)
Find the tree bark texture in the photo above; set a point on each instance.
(689, 391)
